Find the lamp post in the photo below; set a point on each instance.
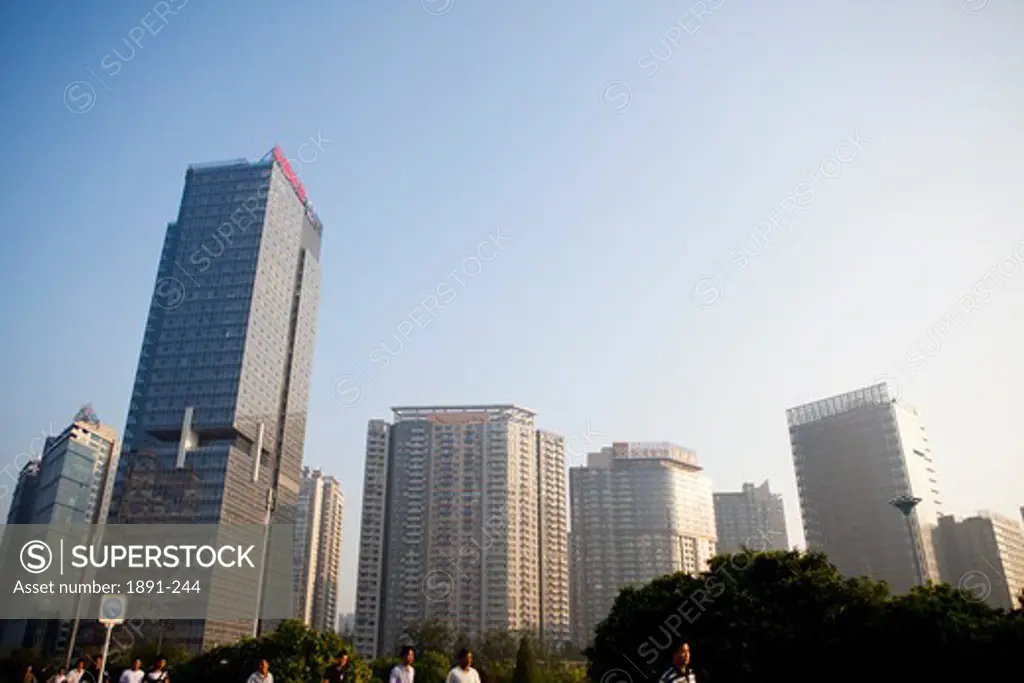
(906, 504)
(263, 562)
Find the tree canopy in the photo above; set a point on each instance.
(297, 654)
(526, 667)
(792, 616)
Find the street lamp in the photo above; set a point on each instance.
(906, 504)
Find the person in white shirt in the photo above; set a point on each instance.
(75, 675)
(158, 674)
(404, 673)
(58, 677)
(262, 673)
(134, 674)
(464, 672)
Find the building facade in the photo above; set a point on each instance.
(853, 454)
(451, 525)
(754, 518)
(71, 483)
(553, 528)
(639, 511)
(317, 550)
(984, 556)
(23, 499)
(217, 417)
(369, 620)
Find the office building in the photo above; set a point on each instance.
(318, 550)
(452, 524)
(853, 454)
(639, 511)
(217, 416)
(71, 483)
(983, 555)
(23, 499)
(754, 518)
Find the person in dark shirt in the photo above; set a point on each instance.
(93, 674)
(338, 671)
(682, 669)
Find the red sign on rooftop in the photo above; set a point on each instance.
(289, 173)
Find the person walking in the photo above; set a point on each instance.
(158, 674)
(682, 669)
(29, 675)
(94, 675)
(337, 672)
(262, 673)
(464, 672)
(59, 677)
(404, 672)
(76, 674)
(134, 673)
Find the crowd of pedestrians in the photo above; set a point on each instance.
(339, 671)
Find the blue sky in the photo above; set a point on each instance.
(444, 127)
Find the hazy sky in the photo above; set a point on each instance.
(626, 150)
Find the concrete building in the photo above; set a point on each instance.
(222, 387)
(754, 517)
(346, 625)
(554, 539)
(370, 572)
(853, 454)
(71, 483)
(983, 555)
(317, 555)
(452, 524)
(639, 511)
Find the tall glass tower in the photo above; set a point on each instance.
(217, 418)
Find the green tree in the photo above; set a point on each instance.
(526, 667)
(432, 667)
(495, 646)
(297, 654)
(752, 615)
(563, 672)
(430, 634)
(381, 667)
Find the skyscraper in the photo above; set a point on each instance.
(639, 511)
(853, 454)
(554, 539)
(219, 404)
(23, 500)
(984, 556)
(370, 577)
(452, 523)
(754, 517)
(318, 550)
(71, 483)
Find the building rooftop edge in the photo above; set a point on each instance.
(481, 408)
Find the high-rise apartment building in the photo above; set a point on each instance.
(217, 417)
(983, 555)
(553, 530)
(317, 544)
(639, 511)
(455, 522)
(369, 618)
(853, 454)
(71, 483)
(754, 518)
